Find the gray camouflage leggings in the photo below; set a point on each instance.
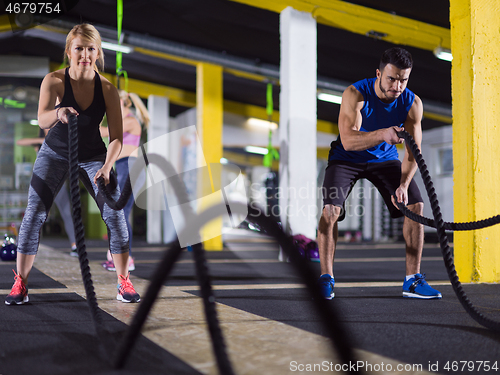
(49, 173)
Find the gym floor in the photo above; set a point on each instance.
(266, 315)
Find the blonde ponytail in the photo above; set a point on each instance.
(141, 112)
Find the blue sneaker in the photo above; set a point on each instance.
(417, 287)
(326, 284)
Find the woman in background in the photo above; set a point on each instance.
(132, 131)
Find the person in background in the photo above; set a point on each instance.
(132, 131)
(81, 91)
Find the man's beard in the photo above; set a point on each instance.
(384, 91)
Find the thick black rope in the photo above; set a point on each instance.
(218, 343)
(443, 239)
(470, 225)
(96, 313)
(157, 279)
(209, 306)
(325, 309)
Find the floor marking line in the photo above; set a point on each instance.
(338, 260)
(177, 324)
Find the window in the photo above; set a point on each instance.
(445, 161)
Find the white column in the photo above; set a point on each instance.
(368, 211)
(297, 130)
(158, 108)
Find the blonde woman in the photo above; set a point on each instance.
(132, 131)
(76, 90)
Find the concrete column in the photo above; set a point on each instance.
(475, 70)
(297, 129)
(209, 109)
(158, 108)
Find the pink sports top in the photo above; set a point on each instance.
(131, 139)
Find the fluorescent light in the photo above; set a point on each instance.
(223, 161)
(256, 150)
(34, 122)
(443, 54)
(261, 124)
(332, 98)
(116, 47)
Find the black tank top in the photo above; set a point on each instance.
(90, 143)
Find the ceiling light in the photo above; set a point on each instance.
(261, 124)
(256, 150)
(330, 97)
(223, 161)
(116, 47)
(443, 54)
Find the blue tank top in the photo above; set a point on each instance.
(90, 143)
(375, 115)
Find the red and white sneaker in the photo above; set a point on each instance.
(19, 293)
(126, 291)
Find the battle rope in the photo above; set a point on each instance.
(325, 309)
(96, 313)
(443, 239)
(329, 316)
(218, 343)
(470, 225)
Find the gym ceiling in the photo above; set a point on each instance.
(169, 35)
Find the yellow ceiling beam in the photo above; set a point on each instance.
(437, 117)
(184, 60)
(188, 99)
(144, 89)
(365, 21)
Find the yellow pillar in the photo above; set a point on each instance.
(209, 110)
(475, 43)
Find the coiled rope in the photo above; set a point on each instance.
(329, 316)
(440, 226)
(470, 225)
(218, 343)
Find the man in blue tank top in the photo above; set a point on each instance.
(372, 112)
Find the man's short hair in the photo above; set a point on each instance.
(397, 56)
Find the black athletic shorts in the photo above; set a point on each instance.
(340, 177)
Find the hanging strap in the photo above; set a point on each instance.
(119, 68)
(269, 99)
(272, 153)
